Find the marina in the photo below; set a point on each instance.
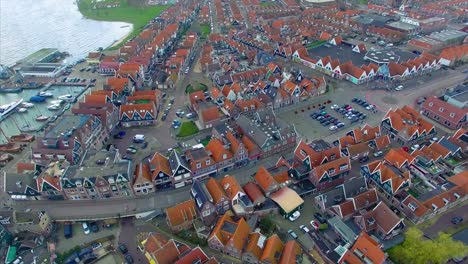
(36, 111)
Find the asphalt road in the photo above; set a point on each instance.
(445, 221)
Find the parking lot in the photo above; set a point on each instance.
(313, 121)
(79, 238)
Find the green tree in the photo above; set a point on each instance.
(418, 250)
(266, 225)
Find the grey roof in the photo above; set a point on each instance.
(66, 125)
(343, 229)
(449, 145)
(21, 183)
(100, 163)
(343, 53)
(448, 35)
(460, 93)
(198, 153)
(175, 160)
(229, 227)
(355, 186)
(402, 25)
(200, 194)
(333, 197)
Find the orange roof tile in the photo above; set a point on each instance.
(161, 164)
(237, 239)
(181, 213)
(210, 114)
(264, 179)
(369, 248)
(218, 151)
(215, 189)
(231, 186)
(252, 245)
(290, 251)
(273, 249)
(419, 208)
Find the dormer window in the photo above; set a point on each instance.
(452, 114)
(224, 156)
(441, 109)
(207, 162)
(431, 104)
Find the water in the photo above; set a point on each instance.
(12, 124)
(29, 25)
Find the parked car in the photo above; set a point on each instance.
(120, 135)
(292, 234)
(68, 230)
(399, 88)
(294, 216)
(322, 107)
(145, 145)
(304, 228)
(334, 106)
(94, 227)
(333, 128)
(340, 124)
(86, 228)
(131, 150)
(363, 159)
(123, 248)
(96, 245)
(457, 220)
(320, 218)
(163, 117)
(128, 259)
(139, 138)
(190, 115)
(378, 154)
(314, 224)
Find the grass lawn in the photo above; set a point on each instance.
(267, 4)
(205, 30)
(144, 101)
(187, 129)
(452, 161)
(138, 16)
(205, 141)
(364, 2)
(413, 193)
(316, 44)
(197, 87)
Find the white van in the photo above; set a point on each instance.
(139, 138)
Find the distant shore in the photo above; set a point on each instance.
(137, 17)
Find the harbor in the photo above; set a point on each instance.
(33, 116)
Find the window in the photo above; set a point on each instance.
(331, 171)
(207, 162)
(224, 156)
(198, 165)
(303, 153)
(452, 114)
(343, 167)
(441, 109)
(431, 104)
(66, 144)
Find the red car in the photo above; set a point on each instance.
(405, 148)
(314, 224)
(348, 107)
(326, 116)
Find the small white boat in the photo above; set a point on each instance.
(42, 118)
(45, 94)
(66, 97)
(54, 107)
(22, 110)
(27, 105)
(57, 102)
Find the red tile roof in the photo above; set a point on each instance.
(254, 193)
(273, 249)
(264, 179)
(210, 114)
(367, 248)
(231, 186)
(290, 252)
(236, 239)
(215, 189)
(181, 213)
(445, 110)
(218, 151)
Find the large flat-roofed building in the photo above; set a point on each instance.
(403, 27)
(424, 44)
(50, 70)
(427, 25)
(457, 96)
(449, 37)
(42, 63)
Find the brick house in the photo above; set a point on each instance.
(221, 154)
(330, 174)
(204, 202)
(220, 199)
(181, 173)
(240, 202)
(444, 113)
(266, 182)
(381, 221)
(229, 236)
(138, 114)
(240, 154)
(201, 164)
(142, 180)
(161, 171)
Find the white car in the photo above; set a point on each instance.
(304, 228)
(399, 88)
(370, 107)
(378, 154)
(434, 139)
(294, 216)
(86, 228)
(333, 128)
(334, 106)
(415, 147)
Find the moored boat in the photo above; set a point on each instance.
(5, 158)
(7, 109)
(45, 94)
(22, 138)
(54, 107)
(27, 105)
(10, 148)
(42, 118)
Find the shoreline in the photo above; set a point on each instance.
(122, 39)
